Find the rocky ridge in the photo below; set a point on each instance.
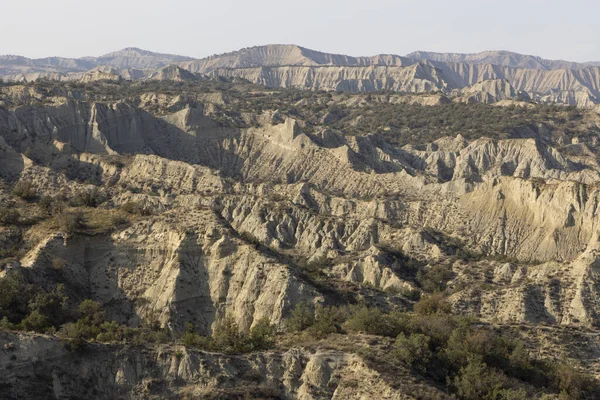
(294, 66)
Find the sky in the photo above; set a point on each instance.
(554, 29)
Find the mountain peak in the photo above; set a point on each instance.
(134, 57)
(136, 52)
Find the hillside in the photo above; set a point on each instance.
(213, 238)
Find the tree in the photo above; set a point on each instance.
(301, 318)
(228, 338)
(51, 308)
(413, 350)
(92, 312)
(262, 335)
(476, 381)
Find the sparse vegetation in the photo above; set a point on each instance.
(90, 198)
(119, 220)
(9, 216)
(433, 304)
(472, 360)
(25, 190)
(70, 222)
(137, 208)
(229, 338)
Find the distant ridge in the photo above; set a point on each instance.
(133, 57)
(130, 57)
(288, 65)
(287, 55)
(503, 58)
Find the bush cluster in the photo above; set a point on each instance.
(70, 221)
(9, 216)
(229, 338)
(27, 307)
(91, 198)
(25, 190)
(472, 360)
(137, 208)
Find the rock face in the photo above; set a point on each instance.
(124, 372)
(173, 73)
(491, 91)
(581, 84)
(200, 273)
(416, 78)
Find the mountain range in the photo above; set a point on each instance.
(528, 77)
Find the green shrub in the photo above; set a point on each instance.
(413, 350)
(36, 321)
(48, 310)
(5, 324)
(476, 381)
(301, 318)
(9, 216)
(571, 383)
(118, 220)
(435, 279)
(262, 335)
(316, 265)
(373, 321)
(228, 338)
(25, 190)
(192, 339)
(79, 332)
(328, 320)
(110, 332)
(250, 238)
(407, 293)
(439, 327)
(90, 198)
(92, 312)
(15, 294)
(51, 205)
(45, 204)
(433, 304)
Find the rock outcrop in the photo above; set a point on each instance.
(174, 372)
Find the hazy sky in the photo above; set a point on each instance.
(557, 29)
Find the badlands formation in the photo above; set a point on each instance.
(287, 66)
(206, 198)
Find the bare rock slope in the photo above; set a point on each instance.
(243, 207)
